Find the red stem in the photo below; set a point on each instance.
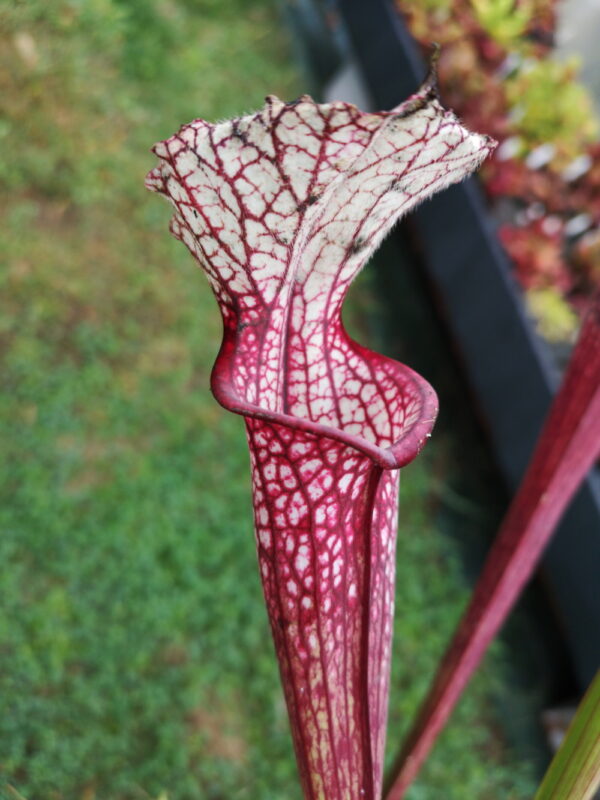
(566, 450)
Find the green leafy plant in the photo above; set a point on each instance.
(504, 20)
(556, 320)
(574, 774)
(550, 107)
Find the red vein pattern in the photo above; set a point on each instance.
(282, 209)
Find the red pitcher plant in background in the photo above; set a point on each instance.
(567, 447)
(282, 208)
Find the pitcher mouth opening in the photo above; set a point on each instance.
(401, 452)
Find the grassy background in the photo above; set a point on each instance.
(135, 660)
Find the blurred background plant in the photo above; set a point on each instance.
(504, 20)
(499, 72)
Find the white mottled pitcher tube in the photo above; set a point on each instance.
(282, 209)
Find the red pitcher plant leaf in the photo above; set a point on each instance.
(282, 208)
(567, 448)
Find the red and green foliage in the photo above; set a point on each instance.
(498, 72)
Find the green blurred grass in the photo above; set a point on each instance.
(134, 652)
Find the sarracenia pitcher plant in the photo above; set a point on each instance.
(282, 208)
